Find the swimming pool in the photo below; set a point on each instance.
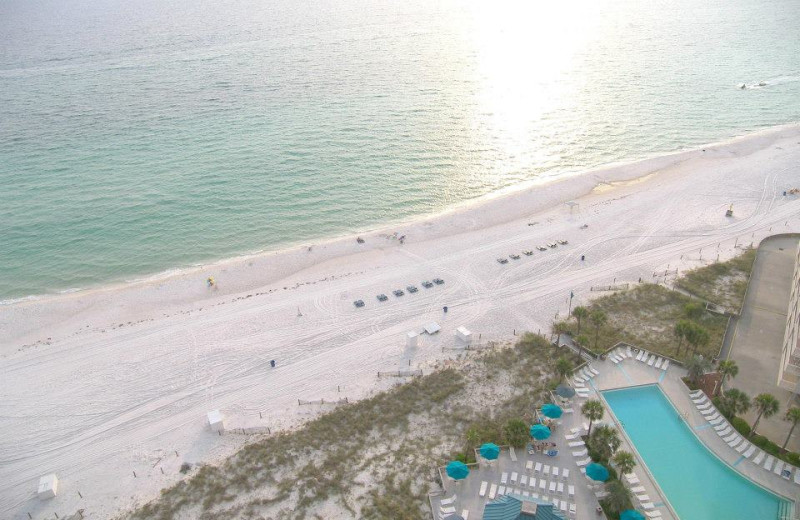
(698, 485)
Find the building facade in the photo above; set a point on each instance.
(789, 373)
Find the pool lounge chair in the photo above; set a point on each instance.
(629, 352)
(542, 485)
(514, 476)
(448, 501)
(447, 510)
(759, 458)
(651, 360)
(707, 413)
(593, 371)
(730, 437)
(632, 478)
(532, 483)
(581, 453)
(578, 379)
(555, 471)
(504, 478)
(725, 431)
(572, 436)
(560, 488)
(546, 470)
(583, 462)
(704, 406)
(482, 492)
(582, 393)
(571, 491)
(552, 488)
(573, 512)
(721, 427)
(778, 469)
(576, 444)
(700, 400)
(639, 355)
(523, 480)
(749, 451)
(648, 505)
(735, 442)
(653, 514)
(529, 465)
(578, 386)
(715, 419)
(643, 498)
(638, 489)
(614, 360)
(565, 474)
(796, 477)
(538, 468)
(743, 446)
(665, 366)
(768, 464)
(501, 490)
(696, 393)
(658, 362)
(492, 491)
(568, 410)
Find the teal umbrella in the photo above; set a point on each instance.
(540, 432)
(490, 451)
(631, 514)
(552, 411)
(597, 472)
(457, 470)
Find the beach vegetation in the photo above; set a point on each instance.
(697, 366)
(564, 367)
(580, 313)
(516, 433)
(723, 283)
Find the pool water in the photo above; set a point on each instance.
(698, 485)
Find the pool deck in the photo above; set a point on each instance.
(633, 373)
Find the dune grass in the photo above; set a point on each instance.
(723, 283)
(373, 459)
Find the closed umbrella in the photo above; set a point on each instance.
(490, 451)
(552, 411)
(540, 432)
(597, 472)
(631, 514)
(457, 470)
(565, 391)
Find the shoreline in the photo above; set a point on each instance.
(641, 170)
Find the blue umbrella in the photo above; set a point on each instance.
(565, 391)
(457, 470)
(540, 432)
(490, 451)
(552, 411)
(597, 472)
(631, 514)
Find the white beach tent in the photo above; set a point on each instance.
(48, 486)
(464, 335)
(216, 421)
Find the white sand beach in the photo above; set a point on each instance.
(109, 388)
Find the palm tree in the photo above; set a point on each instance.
(733, 403)
(580, 312)
(581, 341)
(680, 331)
(598, 319)
(697, 337)
(727, 368)
(793, 415)
(564, 367)
(697, 366)
(593, 410)
(624, 461)
(619, 497)
(604, 441)
(767, 405)
(560, 328)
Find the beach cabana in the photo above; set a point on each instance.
(540, 432)
(48, 486)
(552, 411)
(216, 421)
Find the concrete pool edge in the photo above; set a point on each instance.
(733, 469)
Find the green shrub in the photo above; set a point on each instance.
(792, 458)
(741, 426)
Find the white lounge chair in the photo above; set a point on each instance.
(759, 458)
(721, 427)
(594, 371)
(555, 472)
(725, 431)
(768, 464)
(529, 465)
(538, 468)
(568, 410)
(563, 505)
(632, 478)
(546, 470)
(711, 411)
(504, 478)
(778, 467)
(565, 474)
(704, 406)
(552, 488)
(573, 511)
(700, 400)
(749, 451)
(576, 444)
(514, 477)
(648, 505)
(542, 485)
(532, 483)
(577, 386)
(560, 488)
(735, 441)
(653, 514)
(572, 436)
(492, 491)
(639, 355)
(465, 514)
(796, 478)
(482, 492)
(571, 491)
(501, 490)
(629, 352)
(447, 510)
(743, 446)
(730, 437)
(658, 362)
(614, 360)
(512, 453)
(584, 462)
(448, 501)
(651, 360)
(523, 480)
(638, 489)
(665, 366)
(581, 453)
(643, 497)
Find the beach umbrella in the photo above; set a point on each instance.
(490, 451)
(597, 472)
(457, 470)
(565, 391)
(540, 432)
(552, 411)
(631, 514)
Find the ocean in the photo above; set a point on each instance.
(139, 137)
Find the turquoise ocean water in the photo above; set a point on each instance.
(141, 136)
(697, 484)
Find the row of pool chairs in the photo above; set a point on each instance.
(644, 356)
(732, 438)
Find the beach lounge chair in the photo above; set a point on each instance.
(560, 488)
(578, 380)
(651, 360)
(696, 393)
(704, 406)
(716, 421)
(532, 483)
(581, 453)
(512, 453)
(614, 360)
(555, 472)
(492, 491)
(665, 366)
(735, 441)
(725, 431)
(573, 512)
(482, 492)
(447, 510)
(565, 474)
(721, 427)
(653, 514)
(749, 451)
(552, 488)
(796, 477)
(643, 498)
(593, 371)
(447, 501)
(572, 436)
(648, 505)
(743, 446)
(769, 462)
(546, 470)
(639, 355)
(514, 476)
(730, 437)
(571, 491)
(523, 480)
(568, 410)
(759, 458)
(778, 469)
(504, 478)
(576, 444)
(501, 490)
(638, 489)
(563, 505)
(632, 478)
(708, 413)
(700, 400)
(542, 485)
(584, 462)
(538, 468)
(529, 465)
(658, 362)
(582, 392)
